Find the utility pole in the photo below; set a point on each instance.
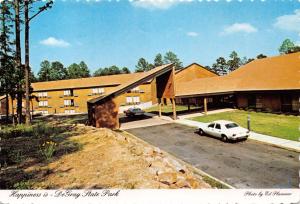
(27, 67)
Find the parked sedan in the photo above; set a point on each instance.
(134, 112)
(226, 130)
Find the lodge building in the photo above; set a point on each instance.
(71, 96)
(271, 84)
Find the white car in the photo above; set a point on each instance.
(226, 130)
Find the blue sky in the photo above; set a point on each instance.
(105, 33)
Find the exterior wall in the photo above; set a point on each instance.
(193, 71)
(56, 99)
(241, 101)
(269, 101)
(104, 114)
(3, 106)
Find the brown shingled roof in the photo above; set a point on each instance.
(273, 73)
(110, 80)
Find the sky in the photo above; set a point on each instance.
(119, 32)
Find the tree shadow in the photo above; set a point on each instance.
(20, 153)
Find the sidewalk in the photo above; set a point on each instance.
(201, 114)
(283, 143)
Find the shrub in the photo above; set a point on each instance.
(23, 185)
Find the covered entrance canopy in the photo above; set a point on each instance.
(103, 111)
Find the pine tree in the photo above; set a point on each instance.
(7, 80)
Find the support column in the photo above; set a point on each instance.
(205, 105)
(174, 108)
(159, 107)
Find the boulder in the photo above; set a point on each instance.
(167, 178)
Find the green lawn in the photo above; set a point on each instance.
(282, 126)
(168, 108)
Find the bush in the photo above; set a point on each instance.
(16, 131)
(23, 185)
(37, 130)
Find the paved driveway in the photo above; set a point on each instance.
(140, 121)
(247, 164)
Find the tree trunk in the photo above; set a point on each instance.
(13, 112)
(27, 68)
(18, 59)
(7, 108)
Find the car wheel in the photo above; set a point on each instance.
(201, 132)
(224, 138)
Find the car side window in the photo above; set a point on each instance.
(218, 126)
(211, 125)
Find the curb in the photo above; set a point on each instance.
(265, 142)
(276, 145)
(194, 169)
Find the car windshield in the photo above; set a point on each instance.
(231, 125)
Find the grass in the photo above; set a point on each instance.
(26, 146)
(282, 126)
(168, 108)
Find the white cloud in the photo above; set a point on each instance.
(239, 28)
(289, 22)
(156, 4)
(192, 34)
(54, 42)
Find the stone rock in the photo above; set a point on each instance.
(182, 183)
(193, 183)
(167, 178)
(157, 150)
(136, 150)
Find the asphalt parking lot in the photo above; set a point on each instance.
(246, 164)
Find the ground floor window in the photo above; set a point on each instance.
(133, 99)
(44, 112)
(69, 111)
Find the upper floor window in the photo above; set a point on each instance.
(68, 92)
(43, 103)
(42, 94)
(98, 90)
(136, 89)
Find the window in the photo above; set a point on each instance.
(69, 111)
(211, 125)
(132, 99)
(136, 89)
(68, 92)
(98, 90)
(44, 112)
(42, 94)
(218, 126)
(69, 102)
(128, 100)
(43, 103)
(136, 99)
(231, 125)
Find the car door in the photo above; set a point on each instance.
(210, 129)
(217, 130)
